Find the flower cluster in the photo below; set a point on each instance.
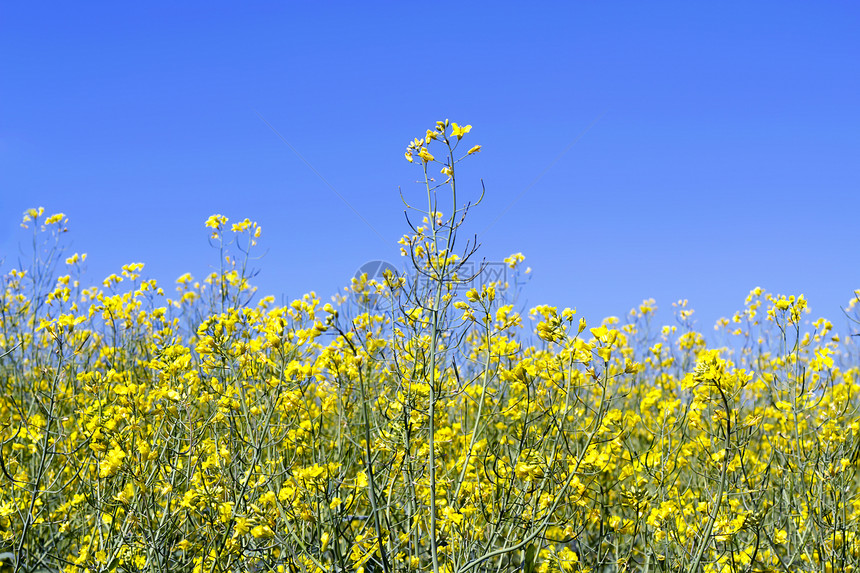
(451, 430)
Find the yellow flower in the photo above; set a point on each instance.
(458, 131)
(126, 494)
(32, 215)
(188, 500)
(239, 227)
(225, 511)
(475, 149)
(76, 258)
(112, 463)
(567, 559)
(216, 221)
(425, 155)
(262, 531)
(514, 260)
(600, 331)
(56, 218)
(241, 526)
(409, 156)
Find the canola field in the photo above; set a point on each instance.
(412, 424)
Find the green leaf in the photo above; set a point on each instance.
(529, 561)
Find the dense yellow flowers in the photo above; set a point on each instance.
(445, 430)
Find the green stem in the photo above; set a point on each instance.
(706, 535)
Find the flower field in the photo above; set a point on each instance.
(421, 422)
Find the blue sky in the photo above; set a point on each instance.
(714, 147)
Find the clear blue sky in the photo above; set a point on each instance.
(723, 153)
